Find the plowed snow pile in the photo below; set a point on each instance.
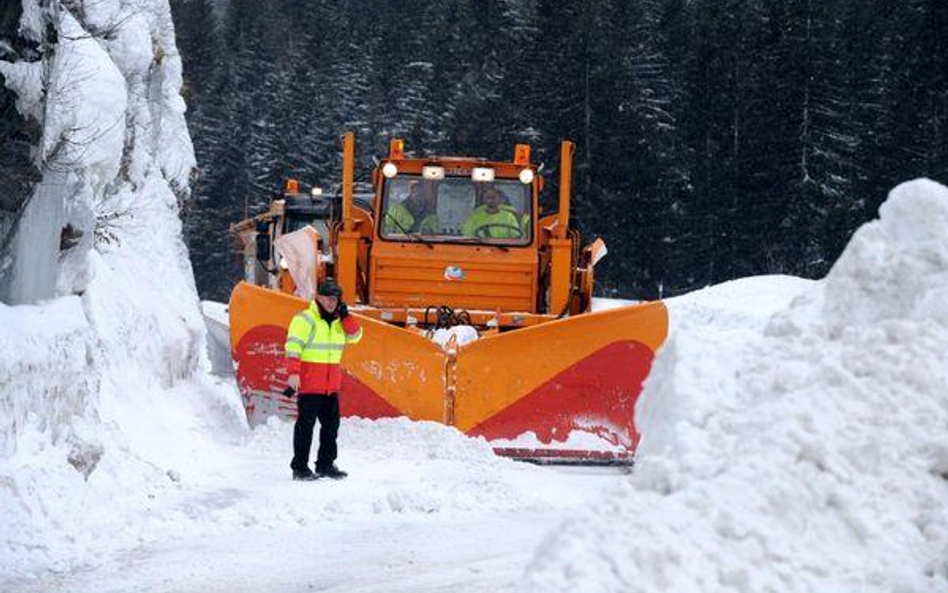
(811, 456)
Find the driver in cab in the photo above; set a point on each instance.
(493, 218)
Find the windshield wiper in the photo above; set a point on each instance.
(413, 236)
(479, 241)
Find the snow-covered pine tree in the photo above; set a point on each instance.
(243, 138)
(822, 141)
(758, 134)
(921, 108)
(480, 122)
(663, 198)
(715, 108)
(197, 31)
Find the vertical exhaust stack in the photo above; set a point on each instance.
(566, 185)
(561, 274)
(347, 249)
(348, 175)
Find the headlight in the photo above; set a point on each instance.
(482, 174)
(526, 176)
(316, 192)
(283, 264)
(389, 170)
(433, 173)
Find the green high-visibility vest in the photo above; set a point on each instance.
(505, 219)
(312, 339)
(397, 219)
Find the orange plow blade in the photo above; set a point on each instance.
(391, 372)
(559, 391)
(562, 390)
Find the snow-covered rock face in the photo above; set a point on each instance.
(103, 389)
(811, 456)
(114, 135)
(84, 123)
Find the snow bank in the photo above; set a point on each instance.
(809, 456)
(743, 304)
(105, 406)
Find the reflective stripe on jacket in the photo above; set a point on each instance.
(314, 349)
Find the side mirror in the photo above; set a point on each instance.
(263, 243)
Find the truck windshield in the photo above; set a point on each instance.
(457, 209)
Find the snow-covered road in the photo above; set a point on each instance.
(473, 553)
(425, 509)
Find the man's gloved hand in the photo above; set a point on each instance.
(342, 310)
(293, 382)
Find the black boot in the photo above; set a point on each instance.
(330, 471)
(304, 475)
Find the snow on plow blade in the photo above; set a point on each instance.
(561, 391)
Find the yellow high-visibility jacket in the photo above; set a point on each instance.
(314, 349)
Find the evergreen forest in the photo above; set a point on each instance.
(716, 139)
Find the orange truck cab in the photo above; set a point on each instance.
(465, 234)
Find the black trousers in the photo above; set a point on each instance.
(309, 408)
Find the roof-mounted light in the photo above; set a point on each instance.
(526, 176)
(396, 149)
(389, 170)
(432, 173)
(482, 174)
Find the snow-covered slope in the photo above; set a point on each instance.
(104, 400)
(810, 456)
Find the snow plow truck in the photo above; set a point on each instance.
(476, 306)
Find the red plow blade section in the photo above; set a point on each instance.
(565, 390)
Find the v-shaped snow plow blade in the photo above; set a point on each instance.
(564, 390)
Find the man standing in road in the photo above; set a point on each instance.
(314, 344)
